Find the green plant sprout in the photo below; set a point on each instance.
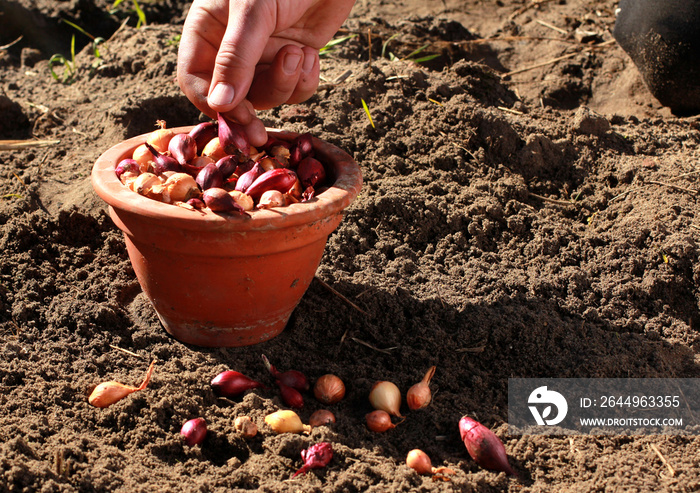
(329, 48)
(96, 41)
(411, 57)
(366, 108)
(68, 65)
(137, 9)
(174, 41)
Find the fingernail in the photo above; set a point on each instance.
(222, 94)
(308, 63)
(291, 62)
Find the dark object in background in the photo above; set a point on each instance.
(663, 39)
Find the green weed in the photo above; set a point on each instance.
(329, 48)
(137, 10)
(69, 69)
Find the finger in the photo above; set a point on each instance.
(240, 50)
(308, 79)
(254, 128)
(275, 83)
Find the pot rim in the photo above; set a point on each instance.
(332, 201)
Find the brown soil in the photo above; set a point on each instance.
(539, 224)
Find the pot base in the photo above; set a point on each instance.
(235, 336)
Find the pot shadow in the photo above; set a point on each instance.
(392, 334)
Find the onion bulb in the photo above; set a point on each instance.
(286, 421)
(379, 421)
(160, 139)
(419, 395)
(484, 446)
(231, 383)
(420, 462)
(245, 426)
(271, 198)
(291, 378)
(329, 389)
(321, 417)
(194, 431)
(107, 393)
(386, 396)
(180, 187)
(315, 457)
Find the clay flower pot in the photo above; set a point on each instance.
(226, 279)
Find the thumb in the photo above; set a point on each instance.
(243, 44)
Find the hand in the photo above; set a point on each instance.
(240, 55)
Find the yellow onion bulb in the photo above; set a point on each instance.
(142, 156)
(286, 421)
(272, 198)
(242, 199)
(160, 139)
(386, 396)
(180, 187)
(214, 150)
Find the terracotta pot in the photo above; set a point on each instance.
(225, 279)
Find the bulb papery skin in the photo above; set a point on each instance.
(386, 396)
(245, 426)
(107, 393)
(329, 389)
(286, 421)
(203, 133)
(291, 396)
(183, 148)
(418, 396)
(280, 179)
(272, 198)
(232, 137)
(419, 462)
(316, 456)
(194, 431)
(180, 187)
(321, 417)
(484, 446)
(231, 383)
(379, 421)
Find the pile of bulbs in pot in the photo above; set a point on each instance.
(214, 167)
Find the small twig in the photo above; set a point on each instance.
(564, 203)
(369, 47)
(20, 180)
(4, 47)
(558, 59)
(13, 145)
(516, 38)
(663, 459)
(508, 110)
(675, 187)
(385, 351)
(551, 26)
(621, 195)
(125, 351)
(339, 295)
(342, 339)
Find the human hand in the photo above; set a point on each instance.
(236, 56)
